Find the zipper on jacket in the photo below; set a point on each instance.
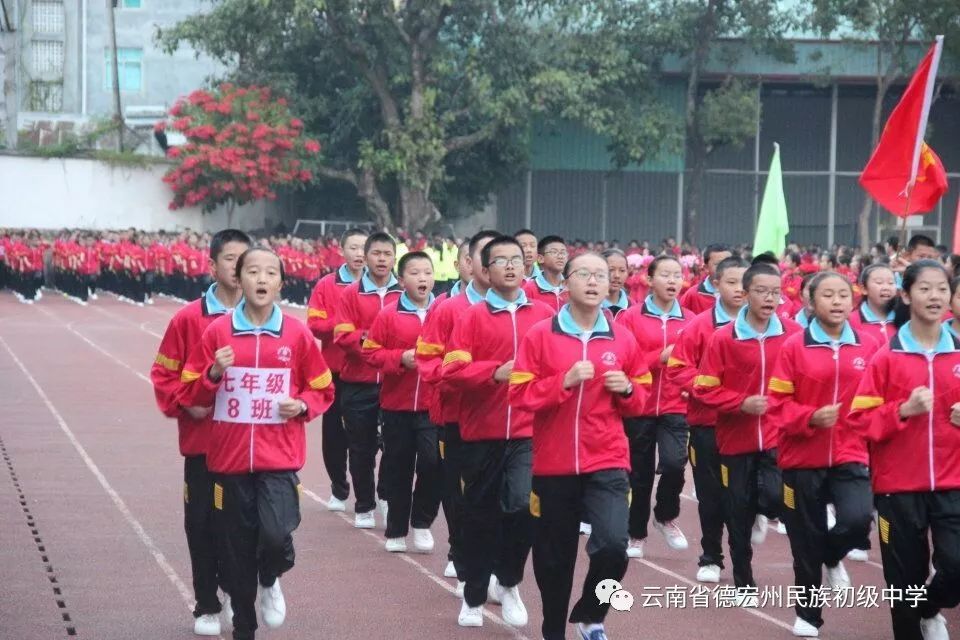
(663, 323)
(836, 392)
(763, 390)
(416, 391)
(253, 427)
(584, 339)
(512, 309)
(933, 483)
(381, 293)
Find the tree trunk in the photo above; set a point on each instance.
(417, 209)
(693, 187)
(376, 206)
(115, 72)
(231, 206)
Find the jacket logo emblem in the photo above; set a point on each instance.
(284, 354)
(860, 364)
(956, 371)
(610, 358)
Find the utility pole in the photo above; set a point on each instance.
(115, 70)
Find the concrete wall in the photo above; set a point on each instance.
(53, 193)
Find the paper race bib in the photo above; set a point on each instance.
(249, 395)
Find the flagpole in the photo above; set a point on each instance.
(903, 221)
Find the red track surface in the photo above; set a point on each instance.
(91, 534)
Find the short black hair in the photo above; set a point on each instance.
(818, 278)
(480, 236)
(379, 237)
(349, 233)
(407, 257)
(609, 253)
(243, 257)
(733, 262)
(222, 237)
(548, 240)
(567, 266)
(767, 257)
(910, 275)
(758, 269)
(499, 241)
(921, 240)
(652, 267)
(524, 232)
(712, 249)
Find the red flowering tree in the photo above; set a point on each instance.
(242, 145)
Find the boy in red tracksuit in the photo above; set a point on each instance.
(360, 398)
(704, 455)
(410, 439)
(733, 379)
(704, 296)
(321, 314)
(547, 286)
(263, 373)
(496, 452)
(908, 408)
(445, 410)
(180, 341)
(822, 457)
(662, 426)
(579, 374)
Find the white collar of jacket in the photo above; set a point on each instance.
(564, 323)
(344, 276)
(406, 305)
(621, 304)
(706, 287)
(241, 325)
(817, 336)
(473, 296)
(906, 343)
(545, 286)
(211, 303)
(455, 290)
(720, 315)
(949, 325)
(871, 317)
(651, 309)
(743, 331)
(367, 285)
(496, 303)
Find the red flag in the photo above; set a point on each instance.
(904, 174)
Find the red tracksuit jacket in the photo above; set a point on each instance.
(180, 341)
(537, 288)
(685, 363)
(577, 430)
(813, 372)
(654, 333)
(738, 363)
(488, 335)
(864, 321)
(321, 314)
(921, 453)
(432, 348)
(360, 303)
(395, 330)
(700, 298)
(284, 343)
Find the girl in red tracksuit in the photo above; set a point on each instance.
(579, 373)
(908, 407)
(617, 301)
(874, 316)
(822, 458)
(257, 442)
(410, 440)
(663, 426)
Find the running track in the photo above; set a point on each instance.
(91, 536)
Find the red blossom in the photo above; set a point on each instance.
(311, 146)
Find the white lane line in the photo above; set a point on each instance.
(422, 569)
(140, 325)
(118, 502)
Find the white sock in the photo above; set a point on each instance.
(590, 628)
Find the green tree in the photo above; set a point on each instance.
(891, 28)
(423, 104)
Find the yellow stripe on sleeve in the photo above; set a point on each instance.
(646, 378)
(675, 362)
(706, 381)
(457, 356)
(317, 313)
(189, 376)
(167, 363)
(781, 386)
(322, 381)
(429, 348)
(520, 377)
(865, 402)
(345, 327)
(371, 344)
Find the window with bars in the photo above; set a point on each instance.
(48, 17)
(46, 96)
(47, 57)
(130, 67)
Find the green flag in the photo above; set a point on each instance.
(772, 227)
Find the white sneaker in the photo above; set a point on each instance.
(423, 540)
(383, 511)
(493, 591)
(450, 571)
(781, 528)
(364, 520)
(934, 628)
(672, 534)
(831, 517)
(635, 548)
(396, 545)
(747, 600)
(227, 610)
(273, 608)
(759, 533)
(803, 629)
(837, 577)
(460, 587)
(709, 573)
(858, 555)
(586, 529)
(470, 616)
(336, 504)
(514, 613)
(207, 625)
